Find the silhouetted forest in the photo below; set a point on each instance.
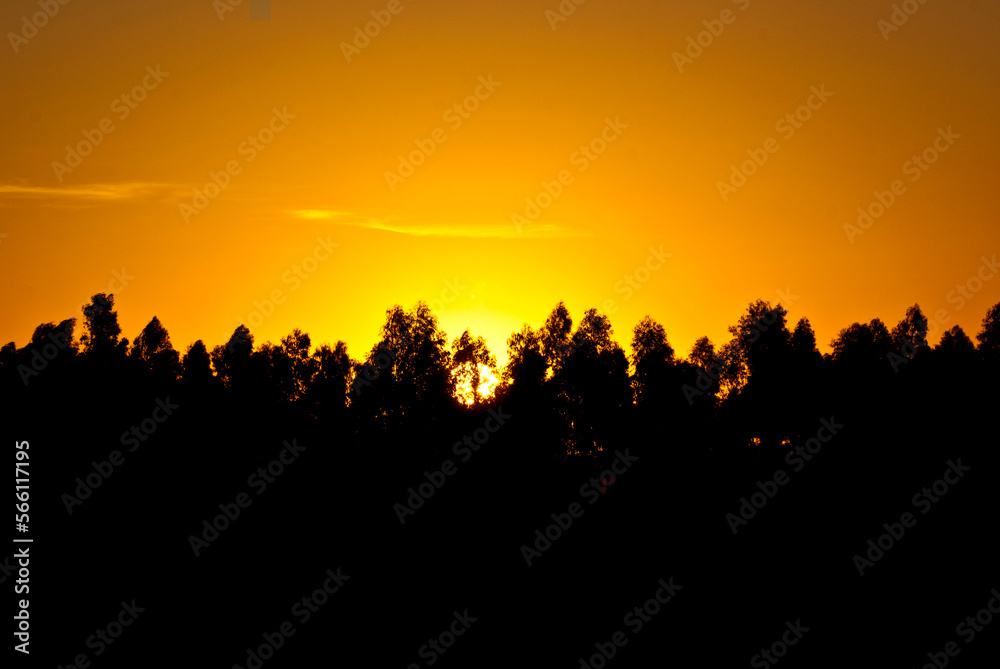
(428, 496)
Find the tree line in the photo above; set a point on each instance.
(588, 385)
(710, 433)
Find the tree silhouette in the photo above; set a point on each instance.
(955, 347)
(526, 366)
(468, 353)
(703, 353)
(909, 337)
(61, 335)
(592, 385)
(101, 328)
(408, 370)
(197, 365)
(708, 371)
(652, 362)
(710, 433)
(232, 360)
(761, 343)
(806, 378)
(152, 340)
(288, 367)
(8, 355)
(327, 394)
(733, 371)
(555, 337)
(989, 336)
(153, 350)
(803, 343)
(862, 346)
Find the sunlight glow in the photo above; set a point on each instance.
(487, 386)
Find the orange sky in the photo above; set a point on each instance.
(446, 231)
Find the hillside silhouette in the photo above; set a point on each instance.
(751, 472)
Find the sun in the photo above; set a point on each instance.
(488, 383)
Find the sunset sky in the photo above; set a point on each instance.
(640, 137)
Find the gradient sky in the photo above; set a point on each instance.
(445, 234)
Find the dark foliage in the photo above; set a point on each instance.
(708, 430)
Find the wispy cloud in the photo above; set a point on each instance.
(494, 231)
(89, 193)
(318, 214)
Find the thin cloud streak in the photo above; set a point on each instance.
(85, 192)
(472, 231)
